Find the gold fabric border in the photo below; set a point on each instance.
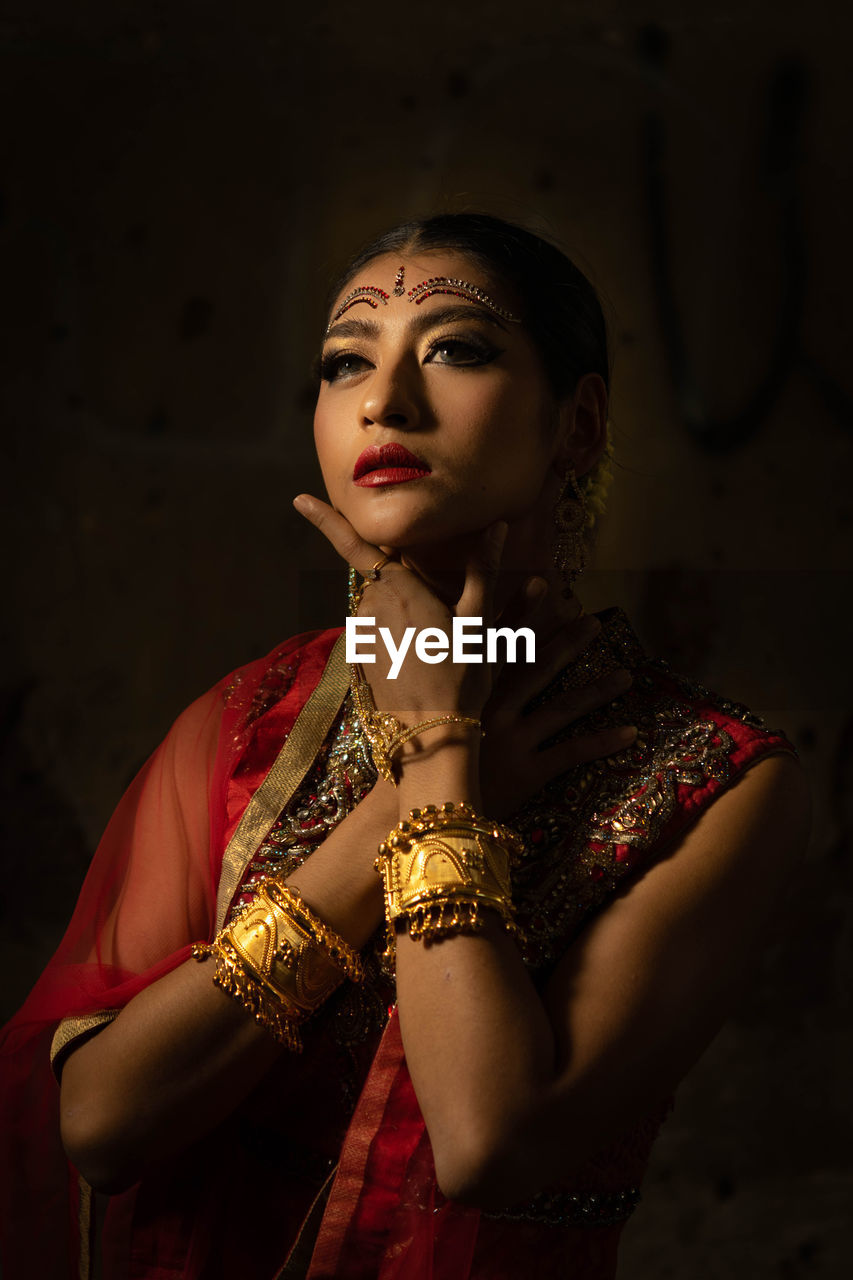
(289, 768)
(299, 1258)
(71, 1029)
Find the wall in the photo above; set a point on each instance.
(179, 184)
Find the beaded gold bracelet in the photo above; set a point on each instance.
(279, 960)
(440, 868)
(385, 733)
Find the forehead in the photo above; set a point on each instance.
(409, 279)
(419, 266)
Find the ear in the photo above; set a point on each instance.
(583, 424)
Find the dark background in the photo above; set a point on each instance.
(179, 182)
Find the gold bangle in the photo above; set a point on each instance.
(280, 961)
(441, 868)
(436, 818)
(404, 735)
(266, 1007)
(385, 733)
(341, 954)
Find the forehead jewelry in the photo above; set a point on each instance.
(364, 293)
(459, 289)
(399, 287)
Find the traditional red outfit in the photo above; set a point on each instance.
(251, 778)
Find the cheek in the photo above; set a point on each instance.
(511, 437)
(324, 444)
(486, 419)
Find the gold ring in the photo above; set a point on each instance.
(373, 574)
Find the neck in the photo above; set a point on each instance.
(526, 553)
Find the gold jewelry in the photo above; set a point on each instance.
(339, 951)
(373, 574)
(571, 516)
(355, 590)
(404, 735)
(359, 581)
(280, 961)
(440, 868)
(385, 733)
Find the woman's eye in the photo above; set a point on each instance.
(341, 364)
(461, 351)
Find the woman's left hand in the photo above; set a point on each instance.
(514, 767)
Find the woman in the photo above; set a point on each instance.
(241, 1071)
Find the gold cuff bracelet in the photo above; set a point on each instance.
(441, 868)
(280, 961)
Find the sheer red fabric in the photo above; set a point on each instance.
(149, 893)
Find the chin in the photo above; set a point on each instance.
(400, 529)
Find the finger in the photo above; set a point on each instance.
(552, 658)
(558, 614)
(481, 573)
(525, 603)
(565, 708)
(339, 532)
(589, 746)
(520, 610)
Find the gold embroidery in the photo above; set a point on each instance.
(587, 831)
(341, 775)
(299, 1258)
(289, 768)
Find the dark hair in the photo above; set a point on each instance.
(559, 306)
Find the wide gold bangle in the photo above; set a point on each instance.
(280, 961)
(441, 868)
(385, 733)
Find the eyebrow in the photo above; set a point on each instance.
(358, 327)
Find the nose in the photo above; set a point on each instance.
(391, 397)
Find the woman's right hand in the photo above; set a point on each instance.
(514, 768)
(400, 601)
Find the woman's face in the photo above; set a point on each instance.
(457, 385)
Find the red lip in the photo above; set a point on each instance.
(388, 457)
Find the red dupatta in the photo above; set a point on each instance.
(150, 892)
(386, 1217)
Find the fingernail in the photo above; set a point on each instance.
(302, 503)
(628, 732)
(536, 588)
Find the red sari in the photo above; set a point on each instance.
(249, 779)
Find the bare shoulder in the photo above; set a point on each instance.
(762, 819)
(732, 867)
(656, 971)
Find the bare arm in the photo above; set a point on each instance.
(516, 1091)
(182, 1054)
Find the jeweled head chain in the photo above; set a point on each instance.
(436, 284)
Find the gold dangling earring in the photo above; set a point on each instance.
(570, 517)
